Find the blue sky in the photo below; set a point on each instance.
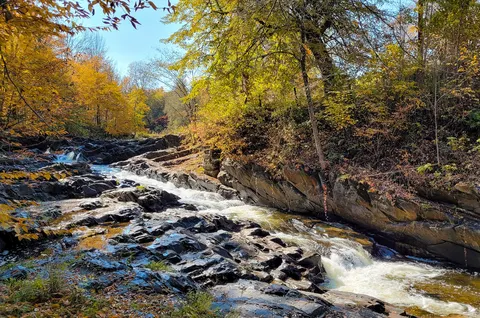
(127, 44)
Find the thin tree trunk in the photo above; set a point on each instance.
(314, 123)
(435, 115)
(421, 42)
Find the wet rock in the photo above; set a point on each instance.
(74, 168)
(278, 241)
(91, 205)
(223, 272)
(152, 200)
(16, 272)
(258, 232)
(120, 214)
(189, 207)
(126, 183)
(85, 221)
(293, 252)
(178, 242)
(123, 194)
(257, 299)
(88, 186)
(311, 260)
(118, 150)
(52, 213)
(170, 256)
(315, 275)
(195, 262)
(291, 271)
(271, 261)
(161, 282)
(222, 223)
(278, 290)
(98, 261)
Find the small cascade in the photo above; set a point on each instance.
(66, 158)
(80, 157)
(349, 266)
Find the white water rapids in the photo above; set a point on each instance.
(348, 265)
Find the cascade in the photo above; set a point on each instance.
(349, 266)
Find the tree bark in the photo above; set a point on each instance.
(314, 123)
(313, 37)
(421, 42)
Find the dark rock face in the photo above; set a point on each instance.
(152, 200)
(42, 189)
(257, 299)
(416, 226)
(211, 162)
(156, 165)
(117, 150)
(16, 272)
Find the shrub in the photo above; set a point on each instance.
(28, 290)
(159, 266)
(197, 305)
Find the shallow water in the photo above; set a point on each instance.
(350, 267)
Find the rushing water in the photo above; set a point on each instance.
(423, 288)
(349, 266)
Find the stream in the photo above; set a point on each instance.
(423, 286)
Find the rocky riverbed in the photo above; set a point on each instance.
(136, 236)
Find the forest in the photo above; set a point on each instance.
(379, 84)
(270, 146)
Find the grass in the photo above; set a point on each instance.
(159, 266)
(53, 296)
(57, 295)
(32, 291)
(37, 289)
(197, 305)
(141, 188)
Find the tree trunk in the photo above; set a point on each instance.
(421, 42)
(313, 34)
(322, 58)
(314, 123)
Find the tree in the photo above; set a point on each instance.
(35, 95)
(138, 107)
(236, 39)
(103, 105)
(46, 18)
(177, 81)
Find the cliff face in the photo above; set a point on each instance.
(434, 223)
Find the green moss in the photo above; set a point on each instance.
(453, 287)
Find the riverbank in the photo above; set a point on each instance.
(139, 237)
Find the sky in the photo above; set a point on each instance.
(127, 45)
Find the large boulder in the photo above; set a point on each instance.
(151, 199)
